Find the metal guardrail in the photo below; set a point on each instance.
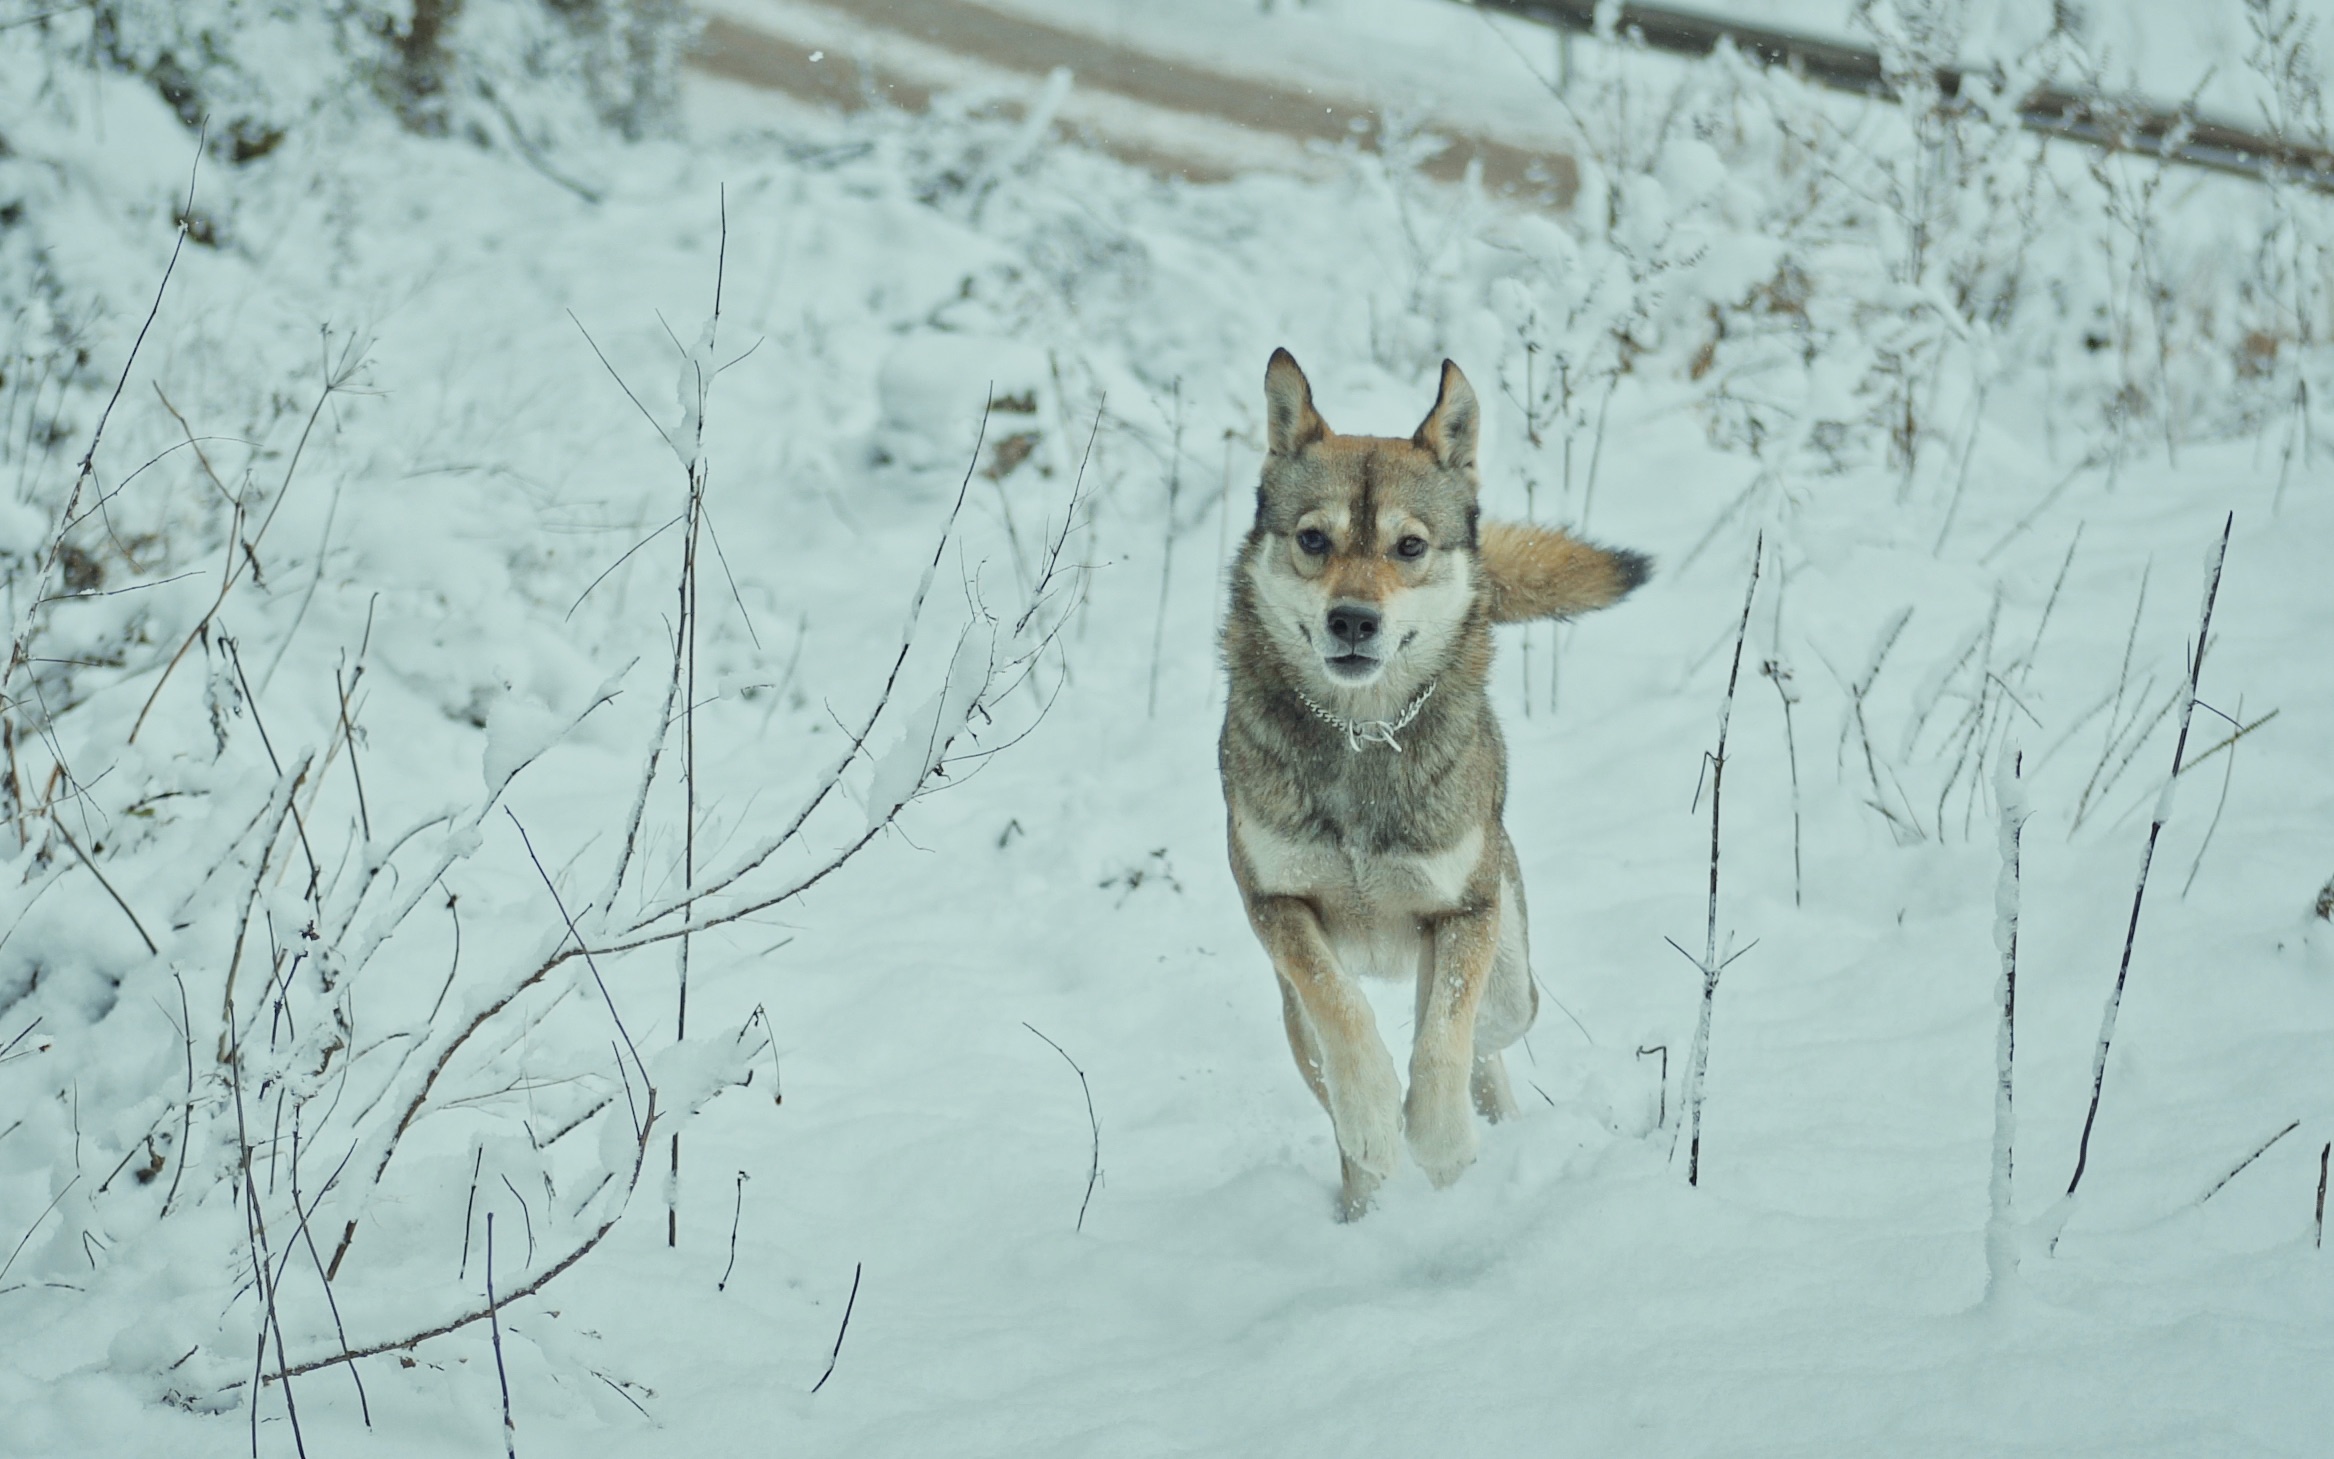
(2106, 122)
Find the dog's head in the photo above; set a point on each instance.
(1363, 557)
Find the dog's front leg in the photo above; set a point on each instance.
(1357, 1079)
(1438, 1116)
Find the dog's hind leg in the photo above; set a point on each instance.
(1511, 1000)
(1335, 1040)
(1488, 1085)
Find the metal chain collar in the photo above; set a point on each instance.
(1359, 732)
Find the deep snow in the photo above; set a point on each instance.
(1821, 1291)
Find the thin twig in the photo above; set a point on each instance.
(117, 592)
(2241, 731)
(624, 557)
(186, 1106)
(308, 1238)
(1858, 692)
(348, 735)
(36, 19)
(2228, 776)
(478, 1020)
(19, 651)
(581, 946)
(2163, 812)
(510, 1430)
(848, 1305)
(686, 644)
(59, 827)
(2318, 1238)
(1709, 964)
(2001, 1194)
(834, 776)
(1093, 1125)
(454, 965)
(251, 701)
(1661, 1116)
(2239, 1168)
(1167, 547)
(262, 1265)
(36, 1223)
(529, 153)
(2042, 624)
(278, 807)
(351, 357)
(713, 535)
(542, 1279)
(618, 1390)
(2115, 732)
(525, 1214)
(619, 379)
(1779, 673)
(195, 442)
(470, 1209)
(243, 551)
(736, 1214)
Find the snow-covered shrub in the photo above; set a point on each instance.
(486, 69)
(318, 973)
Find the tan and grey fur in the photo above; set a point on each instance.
(1364, 844)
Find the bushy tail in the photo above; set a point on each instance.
(1541, 572)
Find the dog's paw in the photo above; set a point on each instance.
(1358, 1193)
(1441, 1127)
(1366, 1108)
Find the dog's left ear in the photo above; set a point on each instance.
(1448, 433)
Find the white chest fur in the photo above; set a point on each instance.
(1372, 905)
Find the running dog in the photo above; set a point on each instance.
(1364, 775)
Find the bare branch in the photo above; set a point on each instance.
(2163, 813)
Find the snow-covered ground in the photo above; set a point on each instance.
(1732, 341)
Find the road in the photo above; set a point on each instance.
(1187, 120)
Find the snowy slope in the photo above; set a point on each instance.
(448, 524)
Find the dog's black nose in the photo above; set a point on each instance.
(1353, 624)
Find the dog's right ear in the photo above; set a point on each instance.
(1290, 422)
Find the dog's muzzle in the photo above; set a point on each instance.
(1354, 630)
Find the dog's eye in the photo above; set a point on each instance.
(1410, 549)
(1313, 540)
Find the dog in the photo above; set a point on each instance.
(1364, 774)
